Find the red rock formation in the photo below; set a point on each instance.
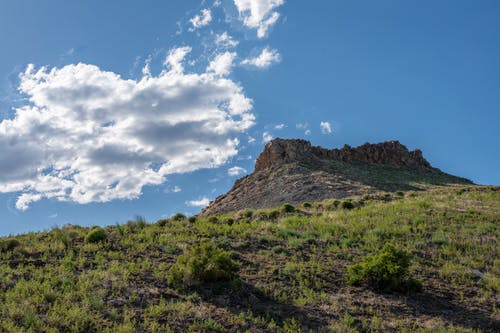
(282, 151)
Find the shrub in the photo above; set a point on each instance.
(307, 205)
(192, 219)
(95, 235)
(9, 244)
(346, 205)
(178, 217)
(400, 193)
(202, 264)
(247, 213)
(288, 208)
(385, 271)
(213, 219)
(162, 222)
(274, 214)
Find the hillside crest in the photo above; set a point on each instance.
(294, 171)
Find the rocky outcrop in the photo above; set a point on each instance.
(281, 151)
(294, 171)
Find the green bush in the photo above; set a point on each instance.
(202, 263)
(307, 205)
(347, 205)
(274, 214)
(95, 235)
(385, 271)
(8, 244)
(162, 222)
(178, 217)
(247, 213)
(213, 219)
(288, 208)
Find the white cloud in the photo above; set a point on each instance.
(251, 139)
(326, 128)
(201, 20)
(258, 14)
(176, 57)
(279, 126)
(265, 59)
(88, 135)
(266, 137)
(236, 171)
(146, 70)
(307, 132)
(203, 202)
(175, 189)
(222, 63)
(224, 40)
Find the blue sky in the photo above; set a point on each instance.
(114, 109)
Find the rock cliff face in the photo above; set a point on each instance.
(280, 151)
(294, 171)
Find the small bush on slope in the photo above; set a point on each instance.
(385, 271)
(288, 208)
(201, 264)
(9, 244)
(95, 235)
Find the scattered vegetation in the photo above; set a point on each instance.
(268, 271)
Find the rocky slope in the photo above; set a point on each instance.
(294, 171)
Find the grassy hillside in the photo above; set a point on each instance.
(282, 269)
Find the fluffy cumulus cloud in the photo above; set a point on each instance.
(236, 171)
(222, 63)
(203, 202)
(201, 20)
(265, 59)
(224, 40)
(258, 14)
(325, 127)
(88, 135)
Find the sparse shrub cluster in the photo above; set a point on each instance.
(385, 271)
(96, 235)
(9, 244)
(202, 264)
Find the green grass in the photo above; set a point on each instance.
(291, 275)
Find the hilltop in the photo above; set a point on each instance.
(294, 171)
